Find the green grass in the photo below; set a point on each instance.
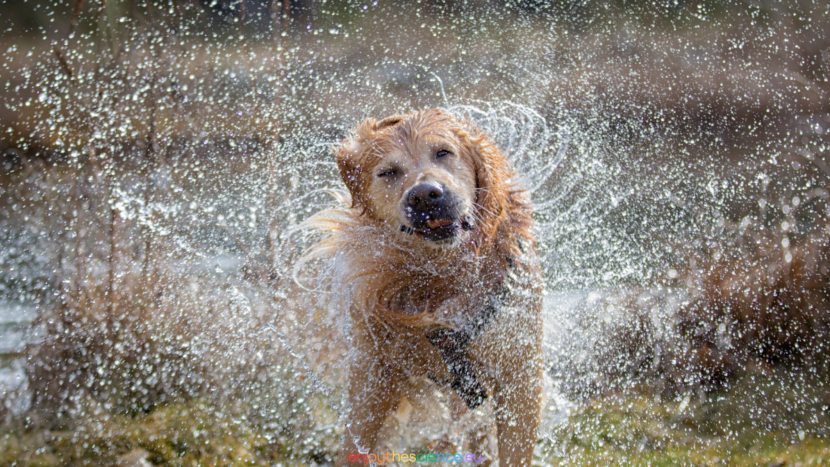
(760, 419)
(181, 434)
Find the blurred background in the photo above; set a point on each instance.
(158, 157)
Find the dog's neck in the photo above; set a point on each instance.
(415, 282)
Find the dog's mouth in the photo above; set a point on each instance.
(434, 224)
(439, 229)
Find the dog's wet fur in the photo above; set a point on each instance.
(433, 225)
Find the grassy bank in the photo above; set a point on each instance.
(764, 417)
(179, 434)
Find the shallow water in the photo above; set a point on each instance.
(17, 331)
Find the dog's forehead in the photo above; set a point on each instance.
(411, 142)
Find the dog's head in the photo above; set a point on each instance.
(426, 174)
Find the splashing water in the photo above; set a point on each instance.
(160, 157)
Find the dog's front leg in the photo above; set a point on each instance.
(374, 392)
(518, 410)
(509, 359)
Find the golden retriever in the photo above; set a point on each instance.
(436, 263)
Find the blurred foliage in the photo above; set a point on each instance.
(744, 297)
(29, 17)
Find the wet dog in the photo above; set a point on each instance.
(435, 262)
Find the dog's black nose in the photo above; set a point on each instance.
(426, 195)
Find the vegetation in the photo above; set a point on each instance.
(178, 434)
(762, 417)
(750, 297)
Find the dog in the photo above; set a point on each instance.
(435, 261)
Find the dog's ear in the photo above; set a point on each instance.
(388, 122)
(492, 173)
(348, 164)
(349, 154)
(349, 158)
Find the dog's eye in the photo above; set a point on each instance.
(387, 173)
(442, 153)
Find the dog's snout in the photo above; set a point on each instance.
(433, 210)
(426, 194)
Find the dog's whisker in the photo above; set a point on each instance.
(478, 211)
